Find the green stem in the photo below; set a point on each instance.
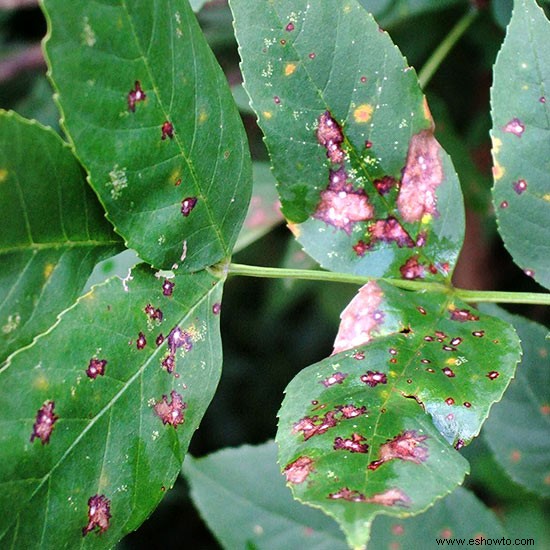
(440, 53)
(331, 276)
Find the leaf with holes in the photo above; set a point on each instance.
(368, 431)
(518, 429)
(152, 119)
(520, 106)
(97, 414)
(364, 184)
(55, 235)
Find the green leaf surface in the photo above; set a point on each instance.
(54, 231)
(362, 179)
(459, 516)
(152, 119)
(355, 432)
(520, 103)
(242, 497)
(518, 430)
(91, 411)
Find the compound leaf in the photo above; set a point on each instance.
(520, 106)
(54, 231)
(98, 412)
(355, 434)
(364, 183)
(152, 119)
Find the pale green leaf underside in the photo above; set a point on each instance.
(518, 429)
(110, 437)
(152, 120)
(520, 102)
(305, 63)
(53, 234)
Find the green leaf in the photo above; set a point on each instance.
(242, 497)
(357, 425)
(459, 516)
(366, 185)
(151, 118)
(521, 148)
(54, 231)
(120, 423)
(518, 428)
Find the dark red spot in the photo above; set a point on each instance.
(368, 144)
(179, 338)
(409, 381)
(428, 338)
(529, 272)
(467, 404)
(135, 96)
(519, 186)
(299, 470)
(168, 287)
(289, 27)
(361, 247)
(407, 446)
(351, 411)
(363, 79)
(463, 315)
(187, 205)
(431, 371)
(456, 341)
(493, 375)
(45, 420)
(459, 444)
(372, 378)
(96, 367)
(312, 55)
(277, 100)
(390, 230)
(397, 529)
(385, 184)
(359, 355)
(171, 413)
(412, 269)
(167, 130)
(515, 126)
(448, 372)
(504, 204)
(392, 351)
(450, 401)
(421, 310)
(448, 348)
(159, 340)
(425, 361)
(336, 378)
(353, 445)
(178, 182)
(216, 308)
(141, 341)
(282, 41)
(99, 514)
(478, 333)
(542, 99)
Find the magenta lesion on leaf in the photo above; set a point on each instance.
(462, 315)
(96, 367)
(389, 230)
(373, 378)
(330, 136)
(153, 314)
(514, 126)
(168, 287)
(336, 378)
(391, 497)
(354, 444)
(408, 446)
(135, 95)
(413, 269)
(167, 130)
(141, 341)
(360, 319)
(44, 422)
(99, 514)
(297, 471)
(187, 205)
(422, 175)
(171, 412)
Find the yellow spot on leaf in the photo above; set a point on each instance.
(498, 171)
(451, 307)
(497, 144)
(41, 383)
(546, 197)
(347, 8)
(267, 114)
(450, 361)
(3, 175)
(203, 117)
(363, 113)
(290, 68)
(426, 219)
(48, 270)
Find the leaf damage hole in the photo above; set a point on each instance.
(99, 514)
(44, 423)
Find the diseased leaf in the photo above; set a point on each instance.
(459, 516)
(242, 497)
(362, 180)
(152, 119)
(355, 434)
(521, 146)
(97, 413)
(54, 230)
(518, 430)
